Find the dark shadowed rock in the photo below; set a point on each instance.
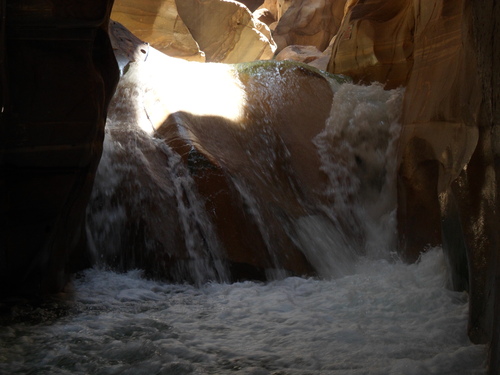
(59, 74)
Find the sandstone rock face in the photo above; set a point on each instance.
(306, 54)
(252, 5)
(265, 16)
(375, 42)
(158, 23)
(303, 54)
(448, 176)
(309, 22)
(226, 31)
(52, 126)
(276, 7)
(211, 30)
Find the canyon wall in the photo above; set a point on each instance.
(446, 54)
(58, 76)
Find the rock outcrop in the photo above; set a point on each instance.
(306, 54)
(309, 22)
(449, 171)
(226, 31)
(212, 30)
(52, 126)
(375, 42)
(158, 23)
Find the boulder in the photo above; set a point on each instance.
(214, 118)
(306, 54)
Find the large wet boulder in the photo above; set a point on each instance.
(214, 120)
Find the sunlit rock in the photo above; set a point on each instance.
(309, 22)
(158, 23)
(265, 16)
(226, 30)
(375, 42)
(215, 30)
(303, 54)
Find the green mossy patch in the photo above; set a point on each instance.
(255, 68)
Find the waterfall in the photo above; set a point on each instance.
(358, 153)
(147, 212)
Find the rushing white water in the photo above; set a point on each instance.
(384, 319)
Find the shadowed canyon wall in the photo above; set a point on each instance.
(58, 75)
(446, 54)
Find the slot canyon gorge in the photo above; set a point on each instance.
(100, 97)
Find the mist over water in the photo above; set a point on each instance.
(365, 313)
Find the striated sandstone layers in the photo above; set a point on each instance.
(446, 54)
(211, 30)
(309, 22)
(158, 23)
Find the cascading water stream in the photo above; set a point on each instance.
(366, 313)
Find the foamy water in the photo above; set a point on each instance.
(385, 319)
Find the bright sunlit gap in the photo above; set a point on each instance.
(172, 85)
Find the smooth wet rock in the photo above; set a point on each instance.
(248, 189)
(216, 118)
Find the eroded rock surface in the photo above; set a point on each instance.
(158, 23)
(211, 30)
(226, 30)
(310, 23)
